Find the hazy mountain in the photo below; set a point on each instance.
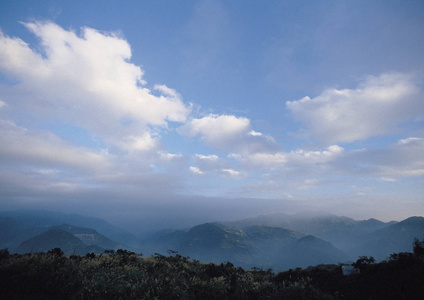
(394, 238)
(343, 232)
(215, 242)
(162, 241)
(12, 233)
(277, 241)
(53, 238)
(90, 236)
(46, 219)
(255, 246)
(309, 251)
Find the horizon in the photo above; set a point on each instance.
(147, 231)
(168, 113)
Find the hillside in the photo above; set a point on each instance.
(255, 246)
(309, 250)
(42, 219)
(12, 233)
(90, 236)
(397, 237)
(343, 232)
(53, 238)
(247, 245)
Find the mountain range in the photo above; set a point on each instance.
(277, 241)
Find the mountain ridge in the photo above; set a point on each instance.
(253, 244)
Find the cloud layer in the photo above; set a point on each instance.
(375, 108)
(79, 120)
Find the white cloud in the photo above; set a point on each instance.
(27, 148)
(230, 172)
(296, 158)
(403, 159)
(209, 163)
(87, 80)
(212, 157)
(196, 170)
(216, 130)
(229, 133)
(301, 156)
(374, 108)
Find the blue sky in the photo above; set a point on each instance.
(206, 110)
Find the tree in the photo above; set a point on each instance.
(56, 252)
(418, 247)
(363, 262)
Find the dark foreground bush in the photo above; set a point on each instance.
(125, 275)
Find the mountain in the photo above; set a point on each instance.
(215, 242)
(90, 236)
(12, 233)
(267, 242)
(277, 241)
(394, 238)
(343, 232)
(53, 238)
(256, 246)
(162, 241)
(309, 250)
(45, 219)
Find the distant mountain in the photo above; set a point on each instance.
(277, 241)
(266, 244)
(309, 250)
(53, 238)
(12, 233)
(45, 219)
(89, 236)
(394, 238)
(343, 232)
(214, 242)
(255, 246)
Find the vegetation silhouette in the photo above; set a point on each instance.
(123, 274)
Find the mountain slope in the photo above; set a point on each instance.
(343, 232)
(214, 242)
(12, 233)
(397, 237)
(89, 236)
(310, 251)
(53, 238)
(46, 219)
(256, 246)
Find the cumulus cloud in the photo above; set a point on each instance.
(87, 80)
(288, 160)
(212, 164)
(403, 159)
(196, 170)
(375, 107)
(72, 82)
(301, 156)
(231, 173)
(229, 133)
(336, 166)
(30, 148)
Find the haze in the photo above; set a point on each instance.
(155, 114)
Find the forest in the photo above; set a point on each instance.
(124, 274)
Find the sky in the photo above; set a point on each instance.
(170, 113)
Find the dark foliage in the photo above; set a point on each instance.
(123, 274)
